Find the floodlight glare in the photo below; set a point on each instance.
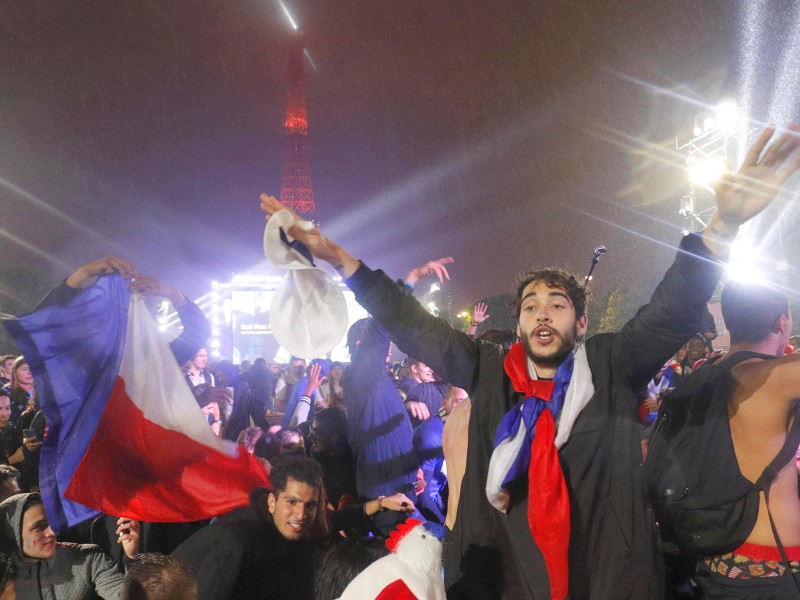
(707, 171)
(708, 123)
(745, 264)
(727, 115)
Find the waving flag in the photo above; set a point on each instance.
(125, 434)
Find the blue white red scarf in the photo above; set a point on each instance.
(525, 447)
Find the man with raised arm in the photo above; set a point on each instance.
(737, 512)
(554, 492)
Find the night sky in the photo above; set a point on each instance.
(506, 134)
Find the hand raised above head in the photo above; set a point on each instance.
(744, 194)
(479, 313)
(87, 275)
(306, 232)
(314, 379)
(150, 286)
(432, 267)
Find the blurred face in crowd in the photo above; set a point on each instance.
(336, 373)
(422, 372)
(293, 510)
(5, 410)
(8, 488)
(298, 368)
(38, 540)
(453, 397)
(548, 326)
(6, 368)
(695, 350)
(23, 375)
(200, 360)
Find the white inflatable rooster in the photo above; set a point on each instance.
(413, 571)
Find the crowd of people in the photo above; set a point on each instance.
(533, 450)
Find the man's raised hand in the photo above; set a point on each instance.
(314, 379)
(320, 246)
(744, 194)
(149, 286)
(87, 275)
(432, 267)
(479, 313)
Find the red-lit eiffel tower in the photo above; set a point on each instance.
(296, 190)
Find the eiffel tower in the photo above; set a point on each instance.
(296, 189)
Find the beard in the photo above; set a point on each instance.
(566, 343)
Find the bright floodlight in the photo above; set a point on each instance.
(745, 264)
(707, 171)
(727, 115)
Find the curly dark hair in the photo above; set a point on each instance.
(553, 278)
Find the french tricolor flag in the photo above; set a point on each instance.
(125, 434)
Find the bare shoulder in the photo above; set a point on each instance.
(778, 378)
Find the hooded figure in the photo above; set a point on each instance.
(48, 569)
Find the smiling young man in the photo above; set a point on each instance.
(264, 550)
(48, 569)
(553, 493)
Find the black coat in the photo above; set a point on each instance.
(242, 556)
(613, 544)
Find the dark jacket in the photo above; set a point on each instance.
(431, 394)
(378, 427)
(613, 549)
(242, 556)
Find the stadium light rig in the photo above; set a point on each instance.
(715, 132)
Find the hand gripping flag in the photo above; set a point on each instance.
(125, 434)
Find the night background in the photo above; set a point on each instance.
(506, 134)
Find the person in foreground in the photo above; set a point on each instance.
(264, 550)
(48, 569)
(554, 486)
(740, 513)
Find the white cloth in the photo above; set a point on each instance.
(309, 312)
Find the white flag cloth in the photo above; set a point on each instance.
(309, 312)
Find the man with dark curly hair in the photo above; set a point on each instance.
(554, 481)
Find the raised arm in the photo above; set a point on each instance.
(451, 353)
(196, 328)
(478, 316)
(676, 309)
(742, 195)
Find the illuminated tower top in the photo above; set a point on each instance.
(296, 190)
